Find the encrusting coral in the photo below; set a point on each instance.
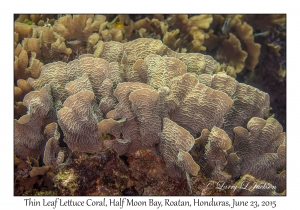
(79, 124)
(262, 150)
(175, 150)
(247, 101)
(28, 136)
(138, 99)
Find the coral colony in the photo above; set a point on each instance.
(133, 105)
